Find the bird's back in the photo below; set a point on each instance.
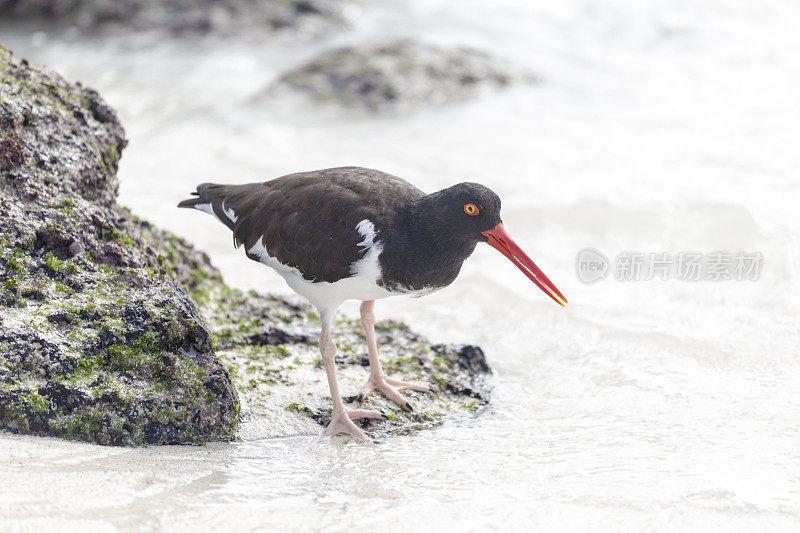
(308, 220)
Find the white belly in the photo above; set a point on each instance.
(326, 295)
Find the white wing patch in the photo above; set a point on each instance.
(205, 208)
(229, 213)
(368, 265)
(367, 230)
(263, 255)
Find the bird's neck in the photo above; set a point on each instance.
(419, 255)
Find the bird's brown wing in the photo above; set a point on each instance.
(308, 220)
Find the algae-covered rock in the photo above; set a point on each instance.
(98, 341)
(112, 331)
(270, 347)
(182, 16)
(401, 73)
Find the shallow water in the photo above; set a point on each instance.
(643, 405)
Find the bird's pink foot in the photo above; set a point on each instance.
(342, 422)
(390, 387)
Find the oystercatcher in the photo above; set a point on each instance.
(354, 233)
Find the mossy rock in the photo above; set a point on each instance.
(182, 17)
(98, 340)
(269, 345)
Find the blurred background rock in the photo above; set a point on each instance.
(225, 17)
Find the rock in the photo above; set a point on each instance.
(275, 336)
(470, 358)
(75, 248)
(403, 73)
(11, 155)
(74, 362)
(112, 331)
(226, 17)
(283, 387)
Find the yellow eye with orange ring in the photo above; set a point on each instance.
(471, 209)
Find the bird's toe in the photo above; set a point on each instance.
(390, 388)
(341, 422)
(355, 414)
(418, 387)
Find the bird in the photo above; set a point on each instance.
(354, 233)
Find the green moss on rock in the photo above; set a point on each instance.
(100, 341)
(276, 367)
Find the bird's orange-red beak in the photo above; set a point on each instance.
(500, 239)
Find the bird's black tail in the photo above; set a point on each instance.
(211, 199)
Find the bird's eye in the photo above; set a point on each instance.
(471, 209)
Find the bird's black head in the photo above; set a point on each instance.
(464, 211)
(459, 217)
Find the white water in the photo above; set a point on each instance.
(661, 126)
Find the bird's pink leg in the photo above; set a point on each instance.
(341, 418)
(377, 377)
